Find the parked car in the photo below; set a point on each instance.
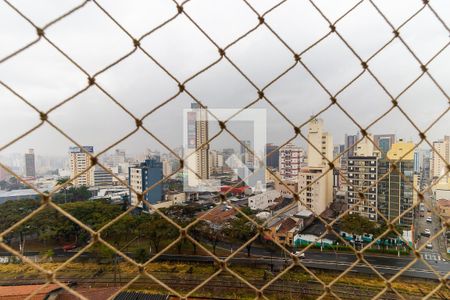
(299, 254)
(429, 220)
(427, 232)
(429, 246)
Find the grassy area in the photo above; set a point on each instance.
(181, 271)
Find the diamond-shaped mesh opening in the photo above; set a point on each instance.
(298, 60)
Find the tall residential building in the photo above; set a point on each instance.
(197, 137)
(143, 176)
(319, 195)
(419, 157)
(273, 160)
(362, 174)
(438, 166)
(322, 141)
(215, 161)
(291, 159)
(395, 191)
(246, 156)
(80, 162)
(166, 167)
(30, 165)
(426, 169)
(384, 142)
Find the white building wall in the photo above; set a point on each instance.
(263, 200)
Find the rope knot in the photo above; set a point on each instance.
(43, 116)
(138, 122)
(40, 31)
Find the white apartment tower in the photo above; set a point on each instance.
(318, 195)
(437, 164)
(291, 159)
(197, 136)
(80, 162)
(362, 174)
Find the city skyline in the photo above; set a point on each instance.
(297, 95)
(135, 138)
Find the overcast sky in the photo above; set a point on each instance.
(45, 77)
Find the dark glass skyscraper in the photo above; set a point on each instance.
(273, 160)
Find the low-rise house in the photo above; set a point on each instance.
(313, 234)
(219, 214)
(285, 230)
(263, 200)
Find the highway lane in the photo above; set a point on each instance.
(436, 263)
(386, 265)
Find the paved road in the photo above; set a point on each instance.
(435, 260)
(438, 252)
(386, 265)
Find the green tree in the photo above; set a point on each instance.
(141, 255)
(241, 230)
(356, 224)
(155, 229)
(210, 232)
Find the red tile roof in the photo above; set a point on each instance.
(22, 291)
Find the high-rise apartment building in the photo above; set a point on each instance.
(30, 164)
(166, 167)
(273, 160)
(426, 169)
(362, 174)
(80, 161)
(419, 157)
(143, 176)
(216, 161)
(291, 159)
(319, 194)
(395, 191)
(320, 140)
(438, 165)
(197, 138)
(246, 156)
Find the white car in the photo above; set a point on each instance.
(427, 232)
(429, 246)
(299, 254)
(429, 220)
